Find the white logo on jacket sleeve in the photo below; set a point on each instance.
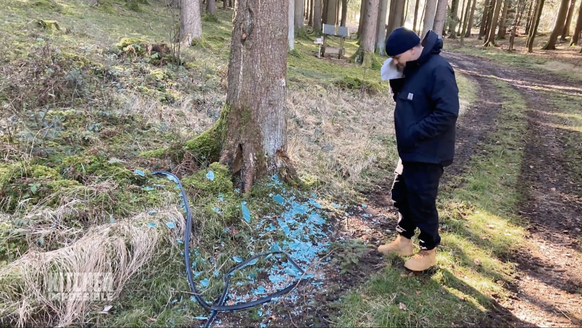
(410, 96)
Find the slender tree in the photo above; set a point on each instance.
(471, 18)
(415, 19)
(298, 14)
(578, 29)
(566, 28)
(485, 18)
(453, 18)
(317, 15)
(429, 15)
(440, 17)
(291, 22)
(211, 7)
(490, 41)
(380, 27)
(503, 21)
(535, 24)
(190, 22)
(557, 31)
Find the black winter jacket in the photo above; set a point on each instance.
(427, 107)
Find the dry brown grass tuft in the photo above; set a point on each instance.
(108, 254)
(336, 135)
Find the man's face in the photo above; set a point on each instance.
(401, 60)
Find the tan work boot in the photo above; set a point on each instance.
(422, 261)
(401, 246)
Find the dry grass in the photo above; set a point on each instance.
(116, 250)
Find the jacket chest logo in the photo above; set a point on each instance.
(410, 96)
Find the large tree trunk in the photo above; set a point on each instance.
(291, 22)
(440, 17)
(255, 140)
(317, 15)
(361, 22)
(503, 21)
(471, 18)
(535, 24)
(560, 20)
(298, 15)
(490, 41)
(429, 15)
(380, 28)
(566, 29)
(366, 50)
(190, 22)
(578, 29)
(396, 17)
(211, 7)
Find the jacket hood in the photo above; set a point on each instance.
(432, 44)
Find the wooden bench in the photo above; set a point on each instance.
(340, 32)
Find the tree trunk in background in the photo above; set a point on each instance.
(490, 41)
(331, 12)
(344, 12)
(465, 6)
(465, 22)
(190, 22)
(366, 50)
(396, 17)
(381, 27)
(211, 7)
(317, 15)
(578, 29)
(471, 18)
(535, 24)
(453, 18)
(560, 20)
(440, 17)
(255, 139)
(531, 16)
(361, 22)
(291, 22)
(503, 21)
(429, 15)
(298, 14)
(224, 4)
(566, 28)
(485, 18)
(415, 19)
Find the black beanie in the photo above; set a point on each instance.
(401, 40)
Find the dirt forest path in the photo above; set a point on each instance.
(548, 282)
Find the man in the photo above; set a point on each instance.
(427, 107)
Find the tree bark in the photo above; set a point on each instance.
(536, 23)
(381, 27)
(317, 15)
(531, 15)
(299, 15)
(471, 18)
(361, 22)
(224, 4)
(429, 15)
(344, 13)
(560, 20)
(366, 50)
(465, 23)
(331, 12)
(291, 22)
(190, 22)
(485, 18)
(255, 139)
(578, 29)
(503, 21)
(211, 7)
(566, 29)
(440, 17)
(396, 17)
(490, 41)
(453, 19)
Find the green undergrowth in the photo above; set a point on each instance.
(479, 228)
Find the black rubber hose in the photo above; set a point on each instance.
(219, 305)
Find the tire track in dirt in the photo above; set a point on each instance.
(549, 280)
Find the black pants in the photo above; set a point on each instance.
(414, 193)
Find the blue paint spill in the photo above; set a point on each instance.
(210, 175)
(279, 199)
